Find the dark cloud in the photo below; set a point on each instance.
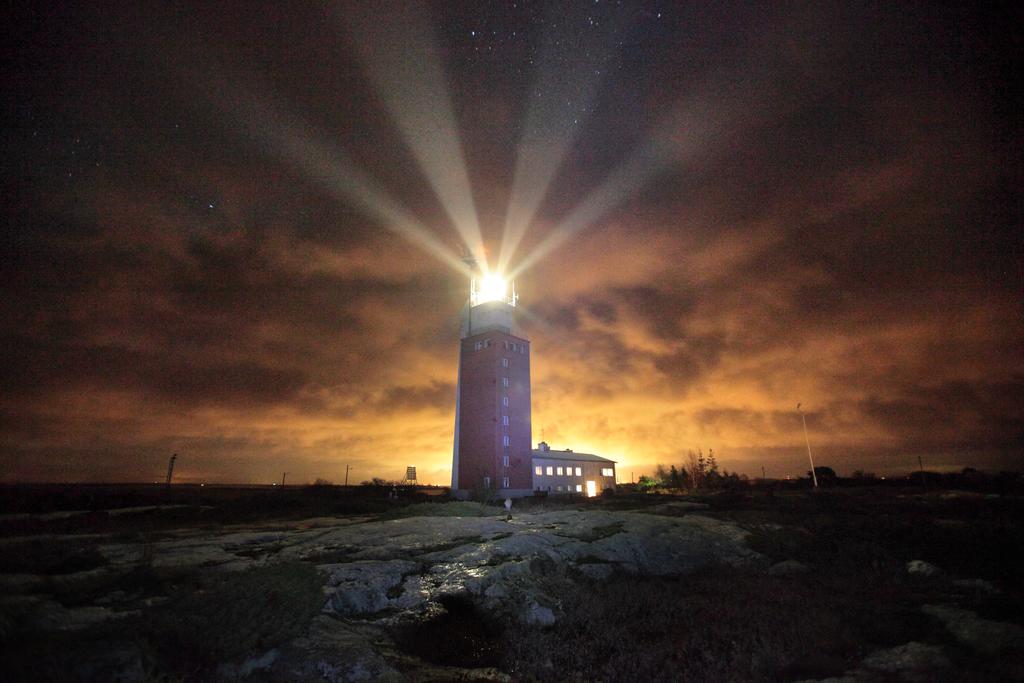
(840, 227)
(35, 370)
(437, 396)
(603, 311)
(663, 312)
(680, 366)
(733, 419)
(979, 415)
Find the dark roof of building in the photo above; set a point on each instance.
(552, 454)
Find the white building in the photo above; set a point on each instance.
(565, 472)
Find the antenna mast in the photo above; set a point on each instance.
(170, 469)
(470, 261)
(814, 475)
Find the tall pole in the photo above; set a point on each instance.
(346, 475)
(283, 476)
(809, 457)
(170, 469)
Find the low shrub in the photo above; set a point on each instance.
(229, 615)
(716, 625)
(446, 509)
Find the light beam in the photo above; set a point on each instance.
(254, 113)
(560, 102)
(404, 66)
(686, 135)
(343, 178)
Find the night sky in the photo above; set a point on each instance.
(230, 230)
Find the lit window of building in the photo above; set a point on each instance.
(504, 382)
(607, 472)
(559, 471)
(538, 470)
(504, 461)
(579, 488)
(505, 441)
(504, 420)
(550, 470)
(579, 471)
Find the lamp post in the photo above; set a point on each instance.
(803, 419)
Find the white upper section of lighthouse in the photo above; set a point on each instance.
(491, 307)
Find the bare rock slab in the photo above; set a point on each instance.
(334, 651)
(912, 656)
(367, 586)
(922, 568)
(788, 568)
(984, 636)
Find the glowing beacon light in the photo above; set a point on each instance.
(491, 287)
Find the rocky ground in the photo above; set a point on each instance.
(379, 574)
(479, 596)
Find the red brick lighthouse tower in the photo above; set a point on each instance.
(492, 451)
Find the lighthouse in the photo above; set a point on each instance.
(492, 451)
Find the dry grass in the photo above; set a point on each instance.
(717, 625)
(446, 509)
(210, 619)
